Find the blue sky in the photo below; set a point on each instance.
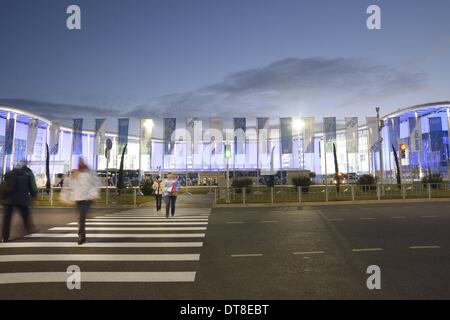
(223, 57)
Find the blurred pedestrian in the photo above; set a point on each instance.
(158, 189)
(83, 188)
(171, 189)
(18, 190)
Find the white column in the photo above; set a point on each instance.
(11, 163)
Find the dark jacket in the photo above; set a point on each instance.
(21, 187)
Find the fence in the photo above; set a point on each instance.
(323, 193)
(109, 196)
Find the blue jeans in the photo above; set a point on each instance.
(170, 204)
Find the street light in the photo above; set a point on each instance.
(148, 124)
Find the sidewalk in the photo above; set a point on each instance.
(330, 203)
(189, 201)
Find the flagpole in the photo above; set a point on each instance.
(325, 156)
(71, 152)
(140, 147)
(419, 129)
(8, 117)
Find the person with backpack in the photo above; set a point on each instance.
(171, 189)
(158, 189)
(18, 190)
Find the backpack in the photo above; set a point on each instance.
(172, 188)
(7, 188)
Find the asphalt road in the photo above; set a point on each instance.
(248, 253)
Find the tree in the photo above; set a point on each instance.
(120, 180)
(336, 169)
(397, 165)
(47, 170)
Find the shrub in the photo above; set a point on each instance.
(303, 182)
(241, 183)
(146, 187)
(367, 182)
(434, 179)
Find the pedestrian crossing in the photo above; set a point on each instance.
(161, 250)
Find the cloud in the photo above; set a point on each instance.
(311, 86)
(314, 86)
(58, 111)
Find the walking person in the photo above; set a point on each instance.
(158, 189)
(18, 191)
(83, 188)
(171, 189)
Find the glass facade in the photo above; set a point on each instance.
(423, 129)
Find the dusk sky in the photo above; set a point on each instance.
(224, 58)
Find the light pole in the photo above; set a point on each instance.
(380, 143)
(213, 151)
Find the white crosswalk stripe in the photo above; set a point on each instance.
(115, 242)
(48, 277)
(126, 223)
(131, 229)
(119, 235)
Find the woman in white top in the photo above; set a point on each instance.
(83, 186)
(158, 189)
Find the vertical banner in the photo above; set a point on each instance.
(351, 134)
(372, 128)
(100, 136)
(286, 135)
(9, 133)
(146, 136)
(262, 129)
(394, 132)
(169, 128)
(55, 131)
(77, 144)
(435, 133)
(216, 134)
(308, 134)
(32, 135)
(413, 134)
(329, 128)
(240, 126)
(124, 124)
(194, 128)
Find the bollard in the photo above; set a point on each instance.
(353, 192)
(244, 191)
(215, 195)
(51, 196)
(134, 197)
(403, 192)
(107, 195)
(326, 194)
(429, 190)
(378, 192)
(299, 194)
(228, 195)
(271, 195)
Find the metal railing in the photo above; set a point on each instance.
(323, 193)
(109, 196)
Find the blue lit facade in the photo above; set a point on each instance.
(428, 150)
